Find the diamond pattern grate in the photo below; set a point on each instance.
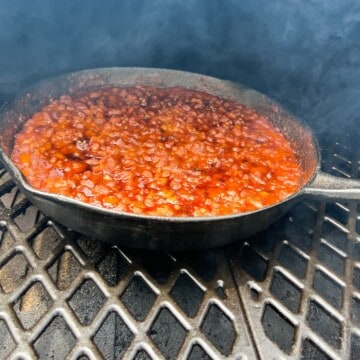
(306, 277)
(291, 292)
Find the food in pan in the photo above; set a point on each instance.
(157, 151)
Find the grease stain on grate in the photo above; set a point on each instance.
(328, 289)
(138, 298)
(167, 333)
(86, 301)
(32, 305)
(310, 351)
(293, 261)
(324, 324)
(198, 353)
(187, 294)
(253, 263)
(113, 267)
(64, 270)
(45, 242)
(219, 329)
(56, 341)
(142, 355)
(113, 337)
(286, 291)
(14, 272)
(278, 328)
(7, 343)
(331, 258)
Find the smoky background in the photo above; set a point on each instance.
(304, 54)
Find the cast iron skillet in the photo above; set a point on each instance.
(154, 232)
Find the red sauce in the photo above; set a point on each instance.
(157, 151)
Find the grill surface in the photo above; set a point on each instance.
(292, 292)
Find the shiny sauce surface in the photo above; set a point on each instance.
(157, 151)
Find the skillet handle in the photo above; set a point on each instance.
(330, 187)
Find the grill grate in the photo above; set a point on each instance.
(300, 279)
(65, 295)
(291, 292)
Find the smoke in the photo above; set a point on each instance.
(305, 54)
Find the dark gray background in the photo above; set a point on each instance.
(303, 53)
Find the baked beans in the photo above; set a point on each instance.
(157, 151)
